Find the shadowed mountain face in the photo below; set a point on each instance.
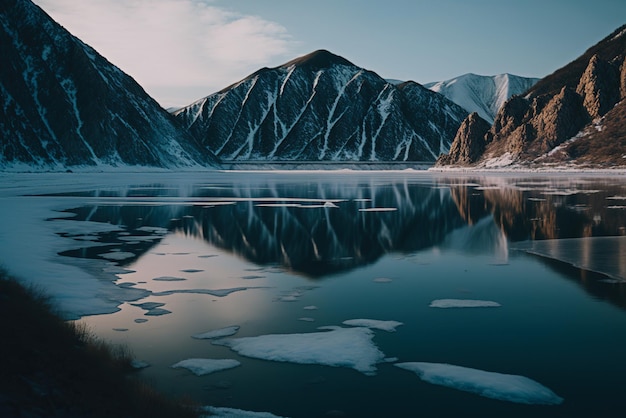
(324, 227)
(64, 105)
(575, 115)
(321, 107)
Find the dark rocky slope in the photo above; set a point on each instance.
(321, 107)
(63, 105)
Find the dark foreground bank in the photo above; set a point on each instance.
(53, 368)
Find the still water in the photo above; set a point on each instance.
(293, 254)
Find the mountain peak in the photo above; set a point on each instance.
(317, 60)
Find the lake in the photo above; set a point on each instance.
(357, 294)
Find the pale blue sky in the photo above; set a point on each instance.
(183, 50)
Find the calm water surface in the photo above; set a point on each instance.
(259, 250)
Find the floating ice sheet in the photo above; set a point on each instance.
(334, 346)
(202, 366)
(606, 255)
(463, 303)
(217, 333)
(236, 413)
(504, 387)
(169, 279)
(117, 255)
(217, 292)
(389, 326)
(378, 209)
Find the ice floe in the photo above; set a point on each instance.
(378, 209)
(310, 308)
(223, 412)
(192, 270)
(152, 308)
(389, 326)
(605, 255)
(217, 292)
(333, 346)
(463, 303)
(382, 280)
(117, 255)
(169, 279)
(504, 387)
(217, 333)
(139, 364)
(202, 366)
(306, 319)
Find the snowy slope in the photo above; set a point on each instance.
(482, 94)
(321, 107)
(63, 105)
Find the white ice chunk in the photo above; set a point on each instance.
(383, 280)
(463, 303)
(202, 366)
(389, 326)
(217, 292)
(217, 333)
(505, 387)
(306, 319)
(236, 413)
(310, 308)
(117, 255)
(378, 209)
(169, 279)
(335, 346)
(139, 364)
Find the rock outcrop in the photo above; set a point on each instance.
(468, 144)
(599, 87)
(569, 109)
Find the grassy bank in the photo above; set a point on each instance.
(52, 368)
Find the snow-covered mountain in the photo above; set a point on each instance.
(63, 105)
(482, 94)
(321, 107)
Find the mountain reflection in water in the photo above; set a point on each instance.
(321, 227)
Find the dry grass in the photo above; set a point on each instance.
(54, 368)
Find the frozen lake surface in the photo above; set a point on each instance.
(295, 294)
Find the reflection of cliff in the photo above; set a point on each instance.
(543, 210)
(315, 240)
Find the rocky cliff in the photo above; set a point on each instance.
(565, 118)
(468, 144)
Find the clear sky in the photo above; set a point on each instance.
(183, 50)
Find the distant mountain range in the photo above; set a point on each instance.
(574, 117)
(63, 105)
(482, 94)
(321, 107)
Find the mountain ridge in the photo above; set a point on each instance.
(321, 107)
